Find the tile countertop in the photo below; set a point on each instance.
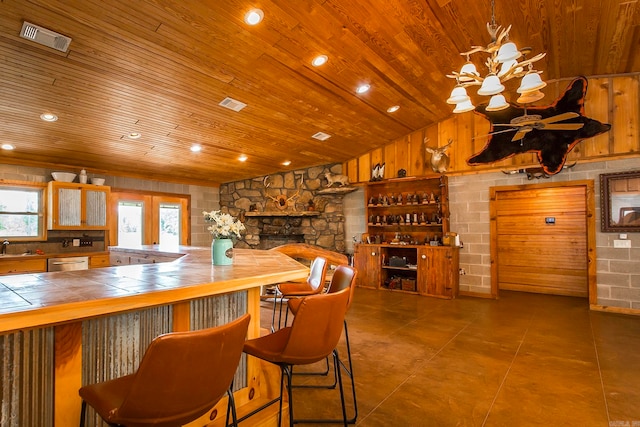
(43, 299)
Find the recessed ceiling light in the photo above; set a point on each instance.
(196, 148)
(134, 135)
(254, 16)
(393, 109)
(243, 158)
(286, 163)
(363, 88)
(8, 147)
(48, 117)
(319, 60)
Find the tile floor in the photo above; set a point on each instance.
(522, 360)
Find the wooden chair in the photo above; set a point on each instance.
(181, 376)
(313, 336)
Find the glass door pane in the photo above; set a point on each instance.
(130, 221)
(169, 224)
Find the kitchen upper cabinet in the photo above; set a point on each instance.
(77, 206)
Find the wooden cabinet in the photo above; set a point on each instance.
(438, 271)
(23, 265)
(419, 269)
(367, 262)
(408, 210)
(77, 206)
(99, 261)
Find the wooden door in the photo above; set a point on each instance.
(540, 238)
(438, 271)
(367, 261)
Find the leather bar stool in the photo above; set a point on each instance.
(313, 285)
(313, 335)
(343, 278)
(181, 376)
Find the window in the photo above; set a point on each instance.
(22, 212)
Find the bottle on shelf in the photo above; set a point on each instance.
(83, 177)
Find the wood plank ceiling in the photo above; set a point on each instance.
(161, 67)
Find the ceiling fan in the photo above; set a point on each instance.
(529, 122)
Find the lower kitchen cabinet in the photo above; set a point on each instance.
(99, 261)
(23, 265)
(419, 269)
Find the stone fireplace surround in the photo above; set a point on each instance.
(267, 226)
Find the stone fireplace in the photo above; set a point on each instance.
(312, 214)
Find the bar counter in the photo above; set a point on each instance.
(52, 316)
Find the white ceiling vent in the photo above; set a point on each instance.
(321, 136)
(45, 37)
(232, 104)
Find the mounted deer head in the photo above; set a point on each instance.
(439, 158)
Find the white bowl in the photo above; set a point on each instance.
(63, 176)
(97, 181)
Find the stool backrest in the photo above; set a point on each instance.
(344, 278)
(317, 328)
(317, 273)
(184, 374)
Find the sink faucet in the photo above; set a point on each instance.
(4, 247)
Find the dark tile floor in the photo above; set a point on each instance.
(522, 360)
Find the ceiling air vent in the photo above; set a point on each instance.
(321, 136)
(232, 104)
(45, 37)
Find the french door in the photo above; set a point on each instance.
(139, 218)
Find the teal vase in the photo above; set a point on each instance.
(222, 252)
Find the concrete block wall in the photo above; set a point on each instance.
(355, 218)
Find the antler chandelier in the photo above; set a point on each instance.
(503, 65)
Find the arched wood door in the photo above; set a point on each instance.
(543, 238)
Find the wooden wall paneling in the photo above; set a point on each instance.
(402, 154)
(417, 154)
(625, 107)
(391, 168)
(596, 106)
(364, 167)
(350, 169)
(459, 148)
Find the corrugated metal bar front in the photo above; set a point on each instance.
(26, 378)
(218, 310)
(113, 346)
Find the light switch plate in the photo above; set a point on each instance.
(622, 243)
(76, 242)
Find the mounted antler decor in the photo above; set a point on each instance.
(282, 201)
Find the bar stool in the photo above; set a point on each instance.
(313, 285)
(314, 335)
(343, 278)
(181, 376)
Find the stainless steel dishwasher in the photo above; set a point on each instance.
(68, 263)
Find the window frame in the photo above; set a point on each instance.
(42, 209)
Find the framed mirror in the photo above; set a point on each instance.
(620, 201)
